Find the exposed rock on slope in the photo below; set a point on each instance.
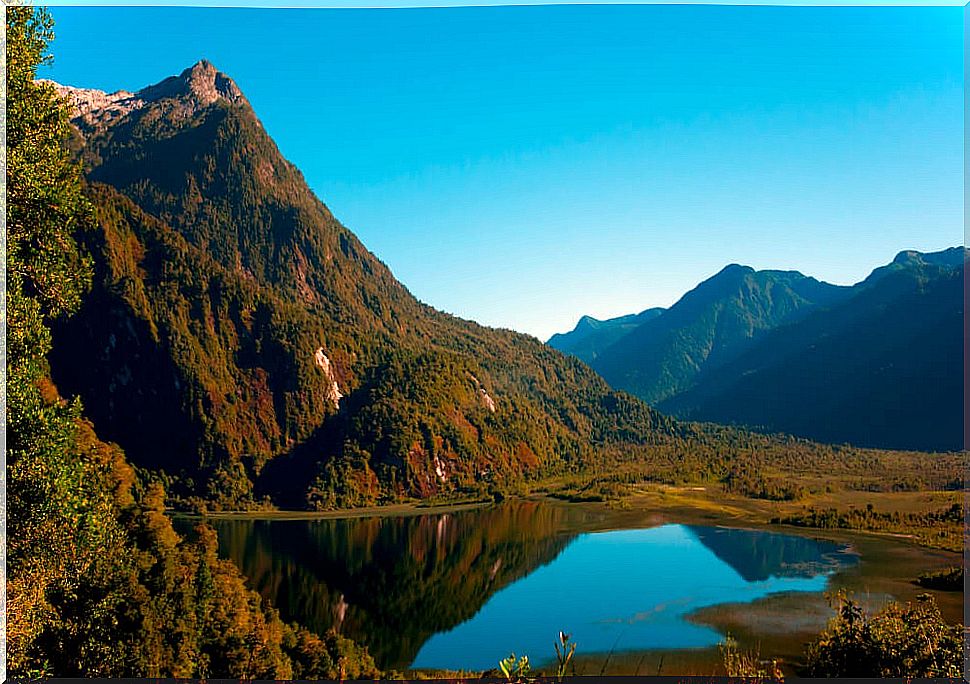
(197, 87)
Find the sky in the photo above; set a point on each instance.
(524, 166)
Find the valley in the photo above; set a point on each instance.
(241, 447)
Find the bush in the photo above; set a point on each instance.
(911, 640)
(948, 579)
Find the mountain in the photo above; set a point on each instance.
(241, 343)
(707, 327)
(591, 336)
(881, 368)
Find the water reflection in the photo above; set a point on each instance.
(757, 555)
(631, 590)
(393, 582)
(460, 590)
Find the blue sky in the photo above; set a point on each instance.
(523, 166)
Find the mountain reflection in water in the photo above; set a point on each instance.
(463, 589)
(392, 582)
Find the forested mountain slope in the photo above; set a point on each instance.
(883, 368)
(234, 320)
(707, 327)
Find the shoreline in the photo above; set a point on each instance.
(389, 510)
(648, 506)
(887, 567)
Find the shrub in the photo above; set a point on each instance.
(948, 579)
(911, 640)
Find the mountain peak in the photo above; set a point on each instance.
(196, 87)
(954, 256)
(734, 269)
(201, 82)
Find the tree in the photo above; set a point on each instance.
(55, 522)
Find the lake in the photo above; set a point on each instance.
(464, 589)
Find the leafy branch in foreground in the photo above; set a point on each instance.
(98, 582)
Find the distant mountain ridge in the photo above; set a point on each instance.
(882, 368)
(707, 327)
(591, 336)
(770, 349)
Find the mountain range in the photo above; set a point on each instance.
(241, 340)
(242, 345)
(876, 364)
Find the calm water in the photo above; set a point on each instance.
(463, 590)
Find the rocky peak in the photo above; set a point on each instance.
(201, 82)
(198, 86)
(954, 256)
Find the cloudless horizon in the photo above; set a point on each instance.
(525, 166)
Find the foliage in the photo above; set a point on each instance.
(747, 664)
(516, 671)
(910, 640)
(741, 480)
(942, 528)
(564, 654)
(55, 511)
(948, 579)
(46, 271)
